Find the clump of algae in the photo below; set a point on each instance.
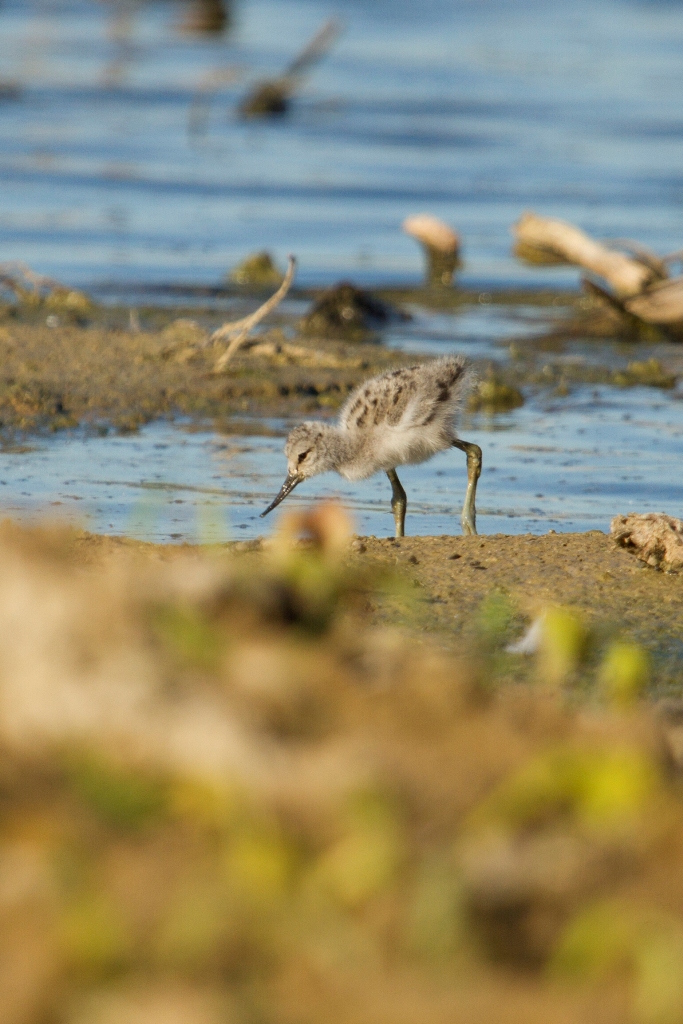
(493, 395)
(646, 372)
(257, 271)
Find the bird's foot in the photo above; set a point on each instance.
(468, 524)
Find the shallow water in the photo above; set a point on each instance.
(472, 109)
(567, 465)
(480, 331)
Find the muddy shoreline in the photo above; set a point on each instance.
(451, 581)
(67, 362)
(96, 368)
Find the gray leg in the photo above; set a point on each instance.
(399, 502)
(469, 515)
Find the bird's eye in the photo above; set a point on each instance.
(302, 457)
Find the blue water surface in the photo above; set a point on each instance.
(122, 158)
(567, 465)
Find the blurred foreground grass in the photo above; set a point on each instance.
(225, 798)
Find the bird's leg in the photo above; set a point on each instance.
(469, 514)
(399, 502)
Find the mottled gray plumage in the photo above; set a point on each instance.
(400, 417)
(422, 391)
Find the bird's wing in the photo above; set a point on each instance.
(410, 397)
(383, 399)
(441, 388)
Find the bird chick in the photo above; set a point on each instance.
(401, 417)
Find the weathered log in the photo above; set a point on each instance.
(642, 254)
(662, 303)
(441, 245)
(543, 239)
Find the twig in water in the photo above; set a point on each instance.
(22, 280)
(315, 50)
(273, 96)
(546, 240)
(238, 331)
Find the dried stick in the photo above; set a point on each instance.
(12, 271)
(238, 331)
(314, 51)
(538, 236)
(642, 254)
(273, 96)
(661, 304)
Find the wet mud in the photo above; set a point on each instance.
(66, 361)
(68, 376)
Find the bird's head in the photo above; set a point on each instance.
(307, 455)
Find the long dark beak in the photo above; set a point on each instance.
(290, 483)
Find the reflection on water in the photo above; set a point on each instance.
(472, 110)
(567, 466)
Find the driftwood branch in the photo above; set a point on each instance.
(662, 303)
(441, 245)
(639, 282)
(315, 50)
(21, 278)
(642, 254)
(238, 331)
(273, 96)
(540, 239)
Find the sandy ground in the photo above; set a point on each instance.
(452, 578)
(56, 378)
(229, 789)
(617, 594)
